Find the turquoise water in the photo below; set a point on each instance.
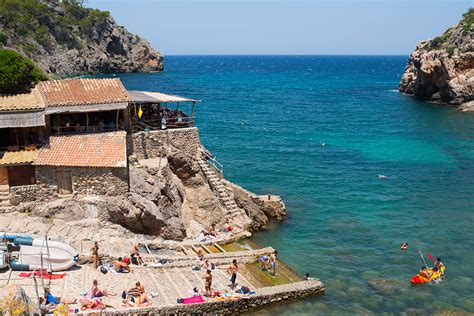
(267, 118)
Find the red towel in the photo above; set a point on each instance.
(193, 300)
(43, 274)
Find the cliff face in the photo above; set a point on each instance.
(442, 69)
(65, 38)
(170, 200)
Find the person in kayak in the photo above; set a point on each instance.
(424, 272)
(438, 264)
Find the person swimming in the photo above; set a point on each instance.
(404, 246)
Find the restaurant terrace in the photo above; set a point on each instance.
(35, 123)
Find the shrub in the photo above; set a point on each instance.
(3, 38)
(467, 21)
(17, 73)
(34, 19)
(451, 50)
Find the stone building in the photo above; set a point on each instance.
(70, 136)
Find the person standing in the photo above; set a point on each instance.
(232, 270)
(95, 255)
(208, 283)
(273, 262)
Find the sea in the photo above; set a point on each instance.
(360, 166)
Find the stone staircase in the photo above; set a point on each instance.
(226, 198)
(5, 204)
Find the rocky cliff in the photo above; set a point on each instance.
(442, 69)
(169, 199)
(65, 38)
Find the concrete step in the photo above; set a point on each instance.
(5, 209)
(5, 202)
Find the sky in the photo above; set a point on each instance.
(287, 27)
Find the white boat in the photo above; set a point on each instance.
(36, 254)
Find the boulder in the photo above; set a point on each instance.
(14, 301)
(385, 286)
(183, 167)
(466, 107)
(142, 216)
(245, 201)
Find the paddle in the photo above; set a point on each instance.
(422, 258)
(434, 264)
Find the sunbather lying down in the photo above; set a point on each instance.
(91, 303)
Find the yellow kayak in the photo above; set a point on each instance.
(418, 279)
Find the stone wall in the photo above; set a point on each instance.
(264, 296)
(24, 193)
(153, 144)
(98, 181)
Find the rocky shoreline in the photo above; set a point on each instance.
(442, 69)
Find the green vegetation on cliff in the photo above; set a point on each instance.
(65, 38)
(33, 19)
(17, 73)
(447, 40)
(467, 20)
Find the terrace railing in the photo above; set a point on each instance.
(82, 129)
(213, 161)
(172, 123)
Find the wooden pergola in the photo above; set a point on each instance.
(142, 99)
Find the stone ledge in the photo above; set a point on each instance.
(263, 296)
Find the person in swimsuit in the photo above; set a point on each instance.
(264, 263)
(95, 255)
(438, 264)
(227, 226)
(232, 270)
(273, 263)
(208, 283)
(308, 277)
(424, 272)
(120, 266)
(51, 299)
(139, 294)
(205, 265)
(404, 246)
(98, 293)
(135, 255)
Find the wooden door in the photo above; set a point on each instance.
(3, 175)
(65, 182)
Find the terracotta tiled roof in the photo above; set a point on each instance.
(18, 157)
(82, 92)
(85, 150)
(20, 102)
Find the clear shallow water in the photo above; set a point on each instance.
(265, 119)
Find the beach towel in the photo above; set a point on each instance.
(44, 275)
(193, 300)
